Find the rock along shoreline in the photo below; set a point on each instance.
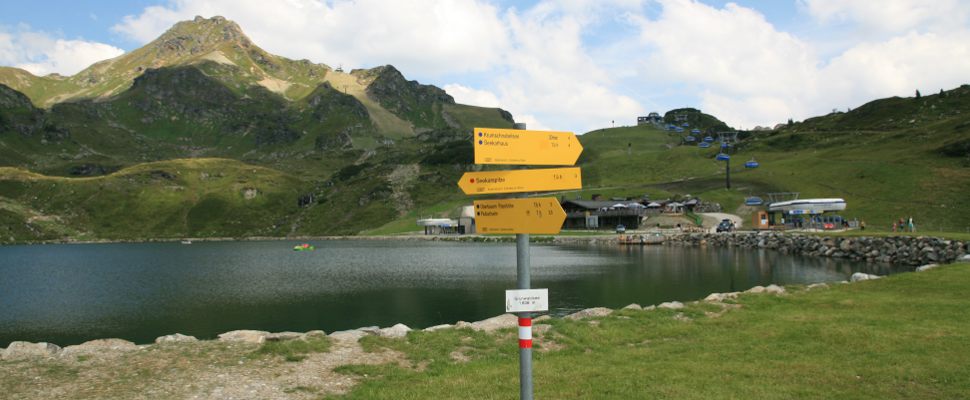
(900, 250)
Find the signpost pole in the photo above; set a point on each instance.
(525, 318)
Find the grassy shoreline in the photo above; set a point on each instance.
(903, 336)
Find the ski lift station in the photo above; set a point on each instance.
(435, 226)
(802, 214)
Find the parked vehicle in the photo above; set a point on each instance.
(620, 228)
(726, 225)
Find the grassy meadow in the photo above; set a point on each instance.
(900, 337)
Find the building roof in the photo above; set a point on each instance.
(598, 204)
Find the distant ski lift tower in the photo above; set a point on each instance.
(727, 139)
(782, 196)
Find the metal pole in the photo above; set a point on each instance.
(525, 318)
(728, 174)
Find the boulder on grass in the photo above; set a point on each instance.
(496, 323)
(719, 297)
(926, 267)
(590, 313)
(438, 327)
(20, 350)
(396, 331)
(244, 336)
(860, 276)
(175, 338)
(774, 289)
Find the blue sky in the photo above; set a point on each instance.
(564, 65)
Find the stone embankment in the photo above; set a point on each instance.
(902, 250)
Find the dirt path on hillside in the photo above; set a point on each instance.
(388, 123)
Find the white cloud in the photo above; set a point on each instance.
(533, 123)
(41, 53)
(898, 67)
(551, 75)
(151, 23)
(747, 72)
(743, 69)
(475, 97)
(892, 16)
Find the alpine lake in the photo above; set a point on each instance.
(70, 293)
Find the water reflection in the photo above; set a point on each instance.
(67, 294)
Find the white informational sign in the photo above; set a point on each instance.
(526, 300)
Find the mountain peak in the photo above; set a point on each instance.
(201, 35)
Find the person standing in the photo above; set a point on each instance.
(912, 227)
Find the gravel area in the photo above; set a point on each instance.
(196, 370)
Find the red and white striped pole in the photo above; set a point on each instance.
(525, 333)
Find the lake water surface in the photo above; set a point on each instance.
(68, 294)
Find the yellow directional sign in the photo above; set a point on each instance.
(523, 180)
(542, 215)
(512, 146)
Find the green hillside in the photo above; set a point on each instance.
(199, 197)
(890, 158)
